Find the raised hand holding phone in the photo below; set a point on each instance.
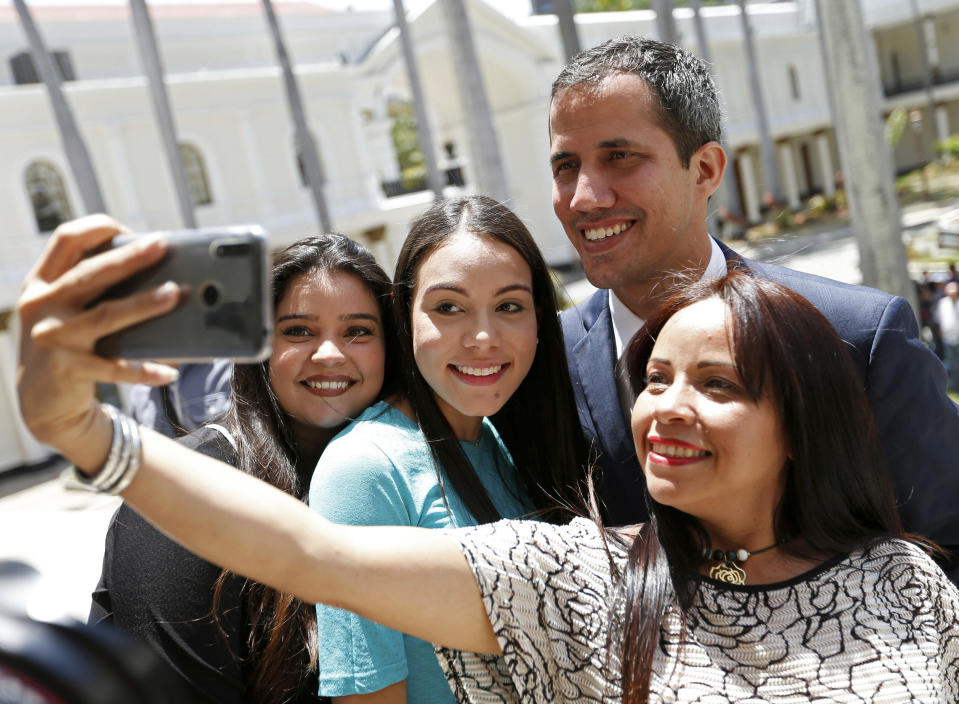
(224, 309)
(58, 367)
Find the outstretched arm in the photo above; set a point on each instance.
(413, 580)
(416, 581)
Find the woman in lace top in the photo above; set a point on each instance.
(773, 568)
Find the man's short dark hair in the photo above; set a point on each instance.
(689, 107)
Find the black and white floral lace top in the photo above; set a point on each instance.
(876, 626)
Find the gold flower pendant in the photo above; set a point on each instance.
(728, 572)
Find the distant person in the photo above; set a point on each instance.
(947, 316)
(929, 326)
(199, 394)
(635, 128)
(231, 640)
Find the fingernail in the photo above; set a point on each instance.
(162, 373)
(166, 292)
(154, 242)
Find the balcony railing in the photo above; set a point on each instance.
(940, 77)
(391, 189)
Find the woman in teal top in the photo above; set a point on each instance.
(484, 429)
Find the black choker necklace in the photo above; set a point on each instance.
(728, 568)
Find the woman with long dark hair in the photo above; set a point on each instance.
(231, 639)
(774, 568)
(484, 426)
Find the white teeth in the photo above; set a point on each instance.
(328, 385)
(601, 233)
(675, 451)
(478, 371)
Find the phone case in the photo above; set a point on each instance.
(225, 310)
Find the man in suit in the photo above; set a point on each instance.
(635, 127)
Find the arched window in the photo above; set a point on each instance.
(48, 196)
(196, 180)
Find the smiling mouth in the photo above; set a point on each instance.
(601, 233)
(478, 371)
(479, 376)
(677, 452)
(328, 387)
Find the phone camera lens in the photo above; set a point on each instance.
(236, 249)
(210, 294)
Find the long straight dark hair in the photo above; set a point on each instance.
(837, 496)
(538, 424)
(282, 641)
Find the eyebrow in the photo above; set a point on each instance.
(348, 316)
(463, 292)
(700, 365)
(614, 143)
(709, 363)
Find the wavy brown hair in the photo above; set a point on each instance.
(282, 637)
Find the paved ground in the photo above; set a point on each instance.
(60, 531)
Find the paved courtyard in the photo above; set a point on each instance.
(59, 532)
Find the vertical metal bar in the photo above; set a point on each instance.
(762, 117)
(305, 145)
(864, 153)
(433, 176)
(76, 149)
(665, 23)
(150, 54)
(567, 27)
(729, 177)
(484, 148)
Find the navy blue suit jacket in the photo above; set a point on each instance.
(918, 424)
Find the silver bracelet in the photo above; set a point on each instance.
(122, 462)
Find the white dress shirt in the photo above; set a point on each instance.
(626, 324)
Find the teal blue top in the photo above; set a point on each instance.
(379, 471)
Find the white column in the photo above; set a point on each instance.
(790, 184)
(825, 165)
(749, 189)
(942, 123)
(256, 171)
(130, 209)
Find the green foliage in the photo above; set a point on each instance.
(407, 142)
(949, 146)
(895, 124)
(819, 205)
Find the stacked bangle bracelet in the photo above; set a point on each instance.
(122, 462)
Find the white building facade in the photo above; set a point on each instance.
(227, 97)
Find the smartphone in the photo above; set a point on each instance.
(224, 309)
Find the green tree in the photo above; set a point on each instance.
(406, 141)
(895, 124)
